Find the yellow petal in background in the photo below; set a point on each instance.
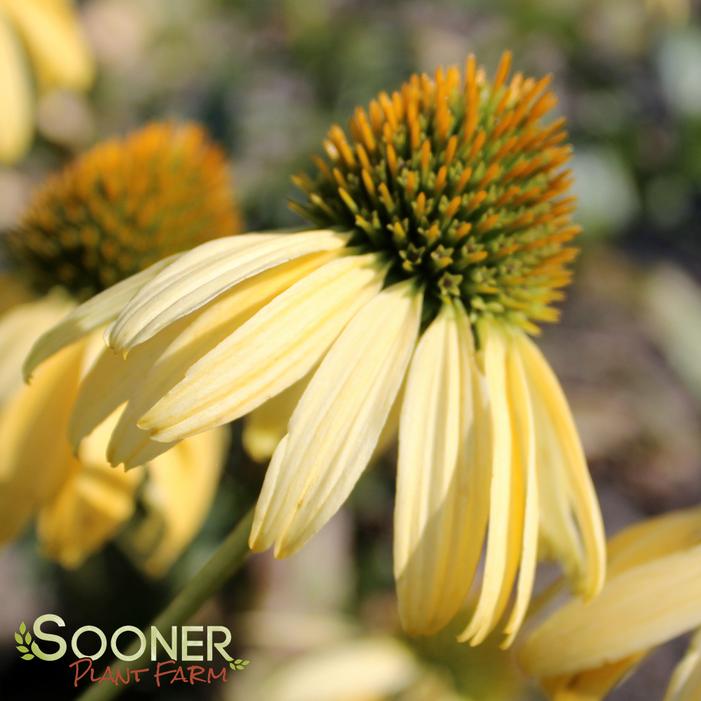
(19, 328)
(433, 564)
(205, 272)
(93, 503)
(333, 673)
(55, 42)
(338, 421)
(637, 609)
(35, 455)
(17, 111)
(645, 541)
(178, 494)
(594, 684)
(272, 350)
(265, 426)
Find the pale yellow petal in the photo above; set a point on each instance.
(432, 562)
(155, 366)
(90, 315)
(35, 455)
(635, 611)
(19, 328)
(550, 402)
(524, 453)
(337, 423)
(53, 37)
(93, 503)
(507, 496)
(177, 497)
(685, 684)
(207, 271)
(273, 349)
(17, 112)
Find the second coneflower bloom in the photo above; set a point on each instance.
(443, 243)
(122, 206)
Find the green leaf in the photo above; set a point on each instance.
(28, 656)
(18, 638)
(23, 648)
(28, 638)
(238, 660)
(245, 663)
(22, 628)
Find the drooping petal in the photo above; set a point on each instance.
(435, 548)
(154, 367)
(274, 349)
(17, 113)
(90, 315)
(507, 495)
(54, 40)
(99, 395)
(523, 452)
(177, 496)
(633, 612)
(204, 273)
(337, 423)
(35, 455)
(556, 428)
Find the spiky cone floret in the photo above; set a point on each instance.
(78, 499)
(122, 206)
(41, 46)
(581, 652)
(462, 185)
(336, 335)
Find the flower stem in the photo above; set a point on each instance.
(228, 557)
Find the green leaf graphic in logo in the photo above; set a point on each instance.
(239, 664)
(23, 638)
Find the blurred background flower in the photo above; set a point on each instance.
(42, 50)
(651, 596)
(267, 78)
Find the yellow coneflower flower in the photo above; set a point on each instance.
(580, 652)
(444, 244)
(123, 205)
(45, 34)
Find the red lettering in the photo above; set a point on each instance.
(157, 676)
(212, 675)
(195, 671)
(79, 674)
